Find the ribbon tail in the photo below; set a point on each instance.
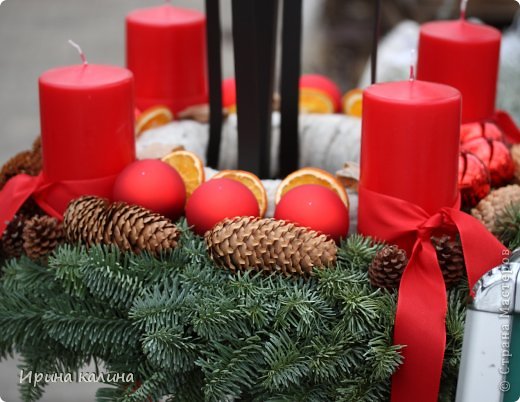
(420, 327)
(14, 194)
(476, 239)
(507, 125)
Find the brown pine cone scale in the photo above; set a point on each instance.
(387, 267)
(41, 235)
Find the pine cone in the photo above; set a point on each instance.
(491, 207)
(41, 235)
(12, 241)
(25, 162)
(451, 259)
(268, 245)
(90, 220)
(387, 267)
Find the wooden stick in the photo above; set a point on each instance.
(375, 40)
(214, 45)
(291, 69)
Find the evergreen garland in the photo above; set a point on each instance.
(191, 332)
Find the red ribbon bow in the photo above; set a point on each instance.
(52, 197)
(422, 304)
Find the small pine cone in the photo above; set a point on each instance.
(268, 245)
(451, 259)
(83, 220)
(37, 146)
(30, 208)
(387, 267)
(24, 162)
(41, 235)
(491, 207)
(12, 241)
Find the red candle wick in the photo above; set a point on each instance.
(81, 54)
(463, 8)
(412, 65)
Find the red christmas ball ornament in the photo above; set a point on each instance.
(216, 200)
(325, 85)
(154, 185)
(474, 180)
(229, 93)
(471, 131)
(496, 157)
(315, 207)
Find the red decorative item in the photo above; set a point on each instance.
(474, 180)
(154, 185)
(166, 51)
(465, 56)
(216, 200)
(316, 207)
(471, 131)
(496, 157)
(325, 85)
(229, 93)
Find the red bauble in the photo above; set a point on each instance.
(472, 131)
(229, 92)
(154, 185)
(496, 157)
(216, 200)
(325, 85)
(474, 180)
(315, 207)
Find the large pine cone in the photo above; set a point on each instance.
(268, 245)
(12, 241)
(451, 259)
(91, 220)
(490, 208)
(387, 267)
(41, 235)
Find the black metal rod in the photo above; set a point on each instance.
(214, 47)
(375, 40)
(290, 77)
(254, 35)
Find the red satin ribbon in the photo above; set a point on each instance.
(422, 303)
(52, 197)
(507, 125)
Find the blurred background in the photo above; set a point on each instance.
(337, 41)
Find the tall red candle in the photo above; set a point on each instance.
(410, 144)
(166, 51)
(87, 124)
(466, 56)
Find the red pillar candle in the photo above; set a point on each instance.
(166, 51)
(466, 56)
(87, 124)
(410, 144)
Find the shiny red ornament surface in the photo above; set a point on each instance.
(474, 180)
(496, 157)
(471, 131)
(216, 200)
(316, 207)
(229, 92)
(325, 85)
(154, 185)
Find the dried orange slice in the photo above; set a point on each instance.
(189, 166)
(251, 181)
(310, 175)
(353, 102)
(153, 117)
(315, 101)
